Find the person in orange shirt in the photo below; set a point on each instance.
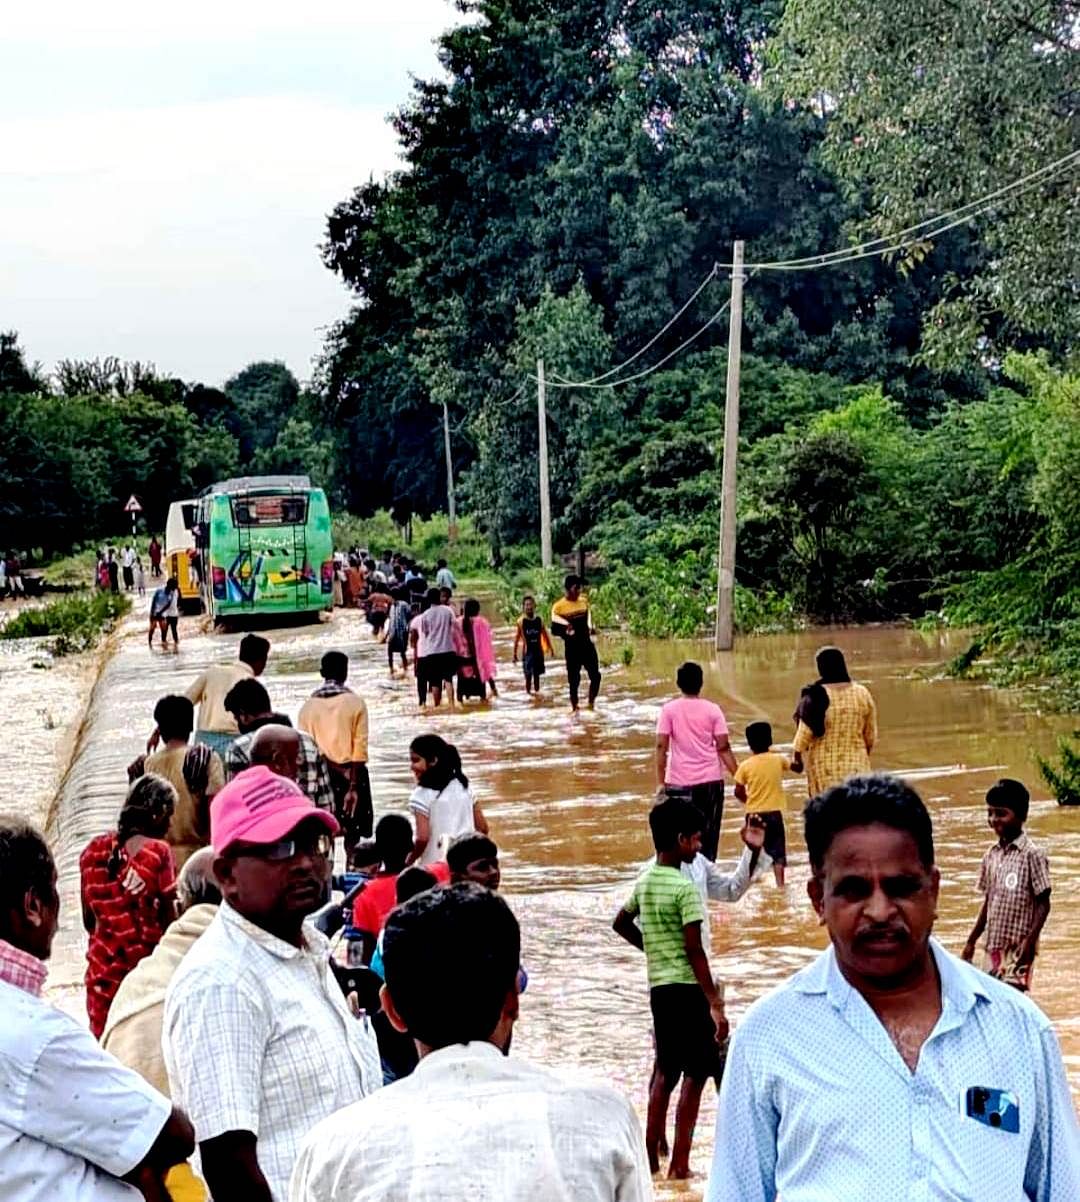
(337, 719)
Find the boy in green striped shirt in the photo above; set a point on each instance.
(664, 917)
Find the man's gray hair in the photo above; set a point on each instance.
(197, 885)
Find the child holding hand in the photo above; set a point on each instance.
(759, 785)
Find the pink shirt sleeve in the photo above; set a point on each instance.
(663, 723)
(720, 726)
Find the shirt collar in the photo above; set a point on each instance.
(1020, 843)
(315, 942)
(961, 984)
(21, 969)
(457, 1053)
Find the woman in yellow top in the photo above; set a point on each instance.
(837, 725)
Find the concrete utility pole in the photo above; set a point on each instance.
(451, 503)
(725, 576)
(545, 488)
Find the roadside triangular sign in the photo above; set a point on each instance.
(133, 505)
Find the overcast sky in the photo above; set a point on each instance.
(165, 170)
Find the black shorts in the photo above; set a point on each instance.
(439, 668)
(775, 837)
(685, 1033)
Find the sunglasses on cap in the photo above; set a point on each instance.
(285, 849)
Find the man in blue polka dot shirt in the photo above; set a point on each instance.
(889, 1070)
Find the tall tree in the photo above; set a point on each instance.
(935, 103)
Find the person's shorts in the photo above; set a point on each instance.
(533, 663)
(775, 837)
(685, 1033)
(438, 668)
(395, 646)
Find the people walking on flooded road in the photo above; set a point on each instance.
(154, 552)
(836, 725)
(889, 1068)
(128, 881)
(1014, 878)
(693, 750)
(337, 719)
(532, 637)
(572, 622)
(194, 771)
(476, 670)
(442, 804)
(249, 703)
(435, 650)
(759, 785)
(397, 628)
(216, 727)
(75, 1124)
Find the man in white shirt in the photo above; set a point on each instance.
(258, 1040)
(432, 637)
(75, 1124)
(889, 1068)
(470, 1122)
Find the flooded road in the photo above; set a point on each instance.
(568, 801)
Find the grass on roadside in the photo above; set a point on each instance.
(74, 623)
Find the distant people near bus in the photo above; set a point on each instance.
(160, 605)
(397, 631)
(140, 577)
(337, 719)
(3, 577)
(353, 585)
(102, 572)
(444, 578)
(154, 551)
(378, 605)
(572, 622)
(127, 561)
(114, 571)
(13, 571)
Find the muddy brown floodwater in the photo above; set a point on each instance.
(568, 802)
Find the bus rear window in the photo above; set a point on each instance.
(270, 510)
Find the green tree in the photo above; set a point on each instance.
(932, 105)
(15, 374)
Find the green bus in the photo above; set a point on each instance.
(265, 546)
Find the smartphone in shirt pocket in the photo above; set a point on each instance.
(996, 1108)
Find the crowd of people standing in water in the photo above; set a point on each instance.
(234, 1054)
(452, 650)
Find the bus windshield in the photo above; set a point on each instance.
(270, 510)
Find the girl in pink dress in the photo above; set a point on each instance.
(477, 673)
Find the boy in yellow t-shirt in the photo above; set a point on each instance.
(759, 785)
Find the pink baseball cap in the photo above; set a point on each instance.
(259, 806)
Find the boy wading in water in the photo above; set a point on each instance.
(532, 633)
(664, 918)
(1015, 878)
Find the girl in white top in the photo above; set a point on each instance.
(441, 803)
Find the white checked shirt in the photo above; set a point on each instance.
(470, 1123)
(257, 1037)
(818, 1105)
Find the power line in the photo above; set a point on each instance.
(648, 370)
(966, 212)
(930, 227)
(654, 339)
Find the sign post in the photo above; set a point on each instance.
(134, 508)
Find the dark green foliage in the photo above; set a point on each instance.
(1064, 776)
(74, 623)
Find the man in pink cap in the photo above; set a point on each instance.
(259, 1042)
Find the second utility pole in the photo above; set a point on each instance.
(725, 575)
(451, 500)
(545, 488)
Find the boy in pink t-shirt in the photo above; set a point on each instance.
(692, 752)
